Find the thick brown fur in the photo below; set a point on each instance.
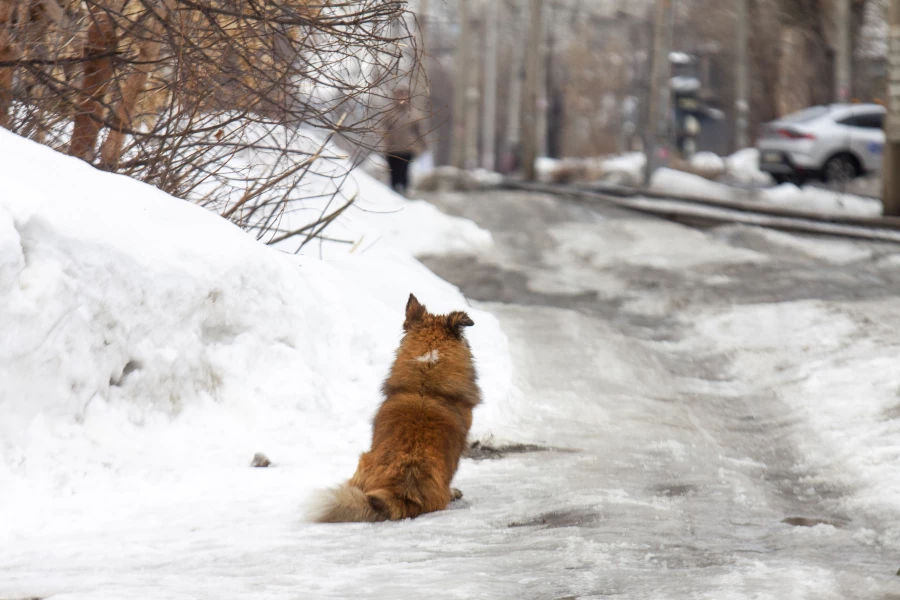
(419, 432)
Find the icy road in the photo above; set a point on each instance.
(729, 399)
(705, 415)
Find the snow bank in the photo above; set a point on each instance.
(375, 216)
(627, 168)
(149, 348)
(544, 168)
(686, 184)
(808, 198)
(381, 219)
(743, 167)
(708, 161)
(821, 200)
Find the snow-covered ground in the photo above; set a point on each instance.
(298, 197)
(149, 348)
(733, 391)
(696, 393)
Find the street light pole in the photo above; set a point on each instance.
(742, 104)
(844, 60)
(891, 167)
(459, 88)
(657, 146)
(489, 129)
(532, 91)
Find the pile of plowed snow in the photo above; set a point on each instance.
(148, 348)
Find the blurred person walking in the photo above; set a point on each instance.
(403, 139)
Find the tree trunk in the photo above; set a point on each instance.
(531, 92)
(8, 52)
(98, 74)
(124, 109)
(793, 92)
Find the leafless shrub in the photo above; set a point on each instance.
(210, 100)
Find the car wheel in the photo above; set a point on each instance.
(840, 169)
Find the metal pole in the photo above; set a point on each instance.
(844, 62)
(459, 88)
(657, 149)
(532, 91)
(891, 167)
(742, 103)
(514, 114)
(489, 129)
(545, 96)
(472, 101)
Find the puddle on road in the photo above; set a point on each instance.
(812, 522)
(482, 451)
(675, 489)
(578, 517)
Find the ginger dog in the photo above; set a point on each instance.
(420, 430)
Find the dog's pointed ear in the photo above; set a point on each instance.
(415, 312)
(457, 320)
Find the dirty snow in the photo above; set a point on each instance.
(830, 364)
(743, 167)
(820, 200)
(671, 181)
(832, 250)
(708, 161)
(657, 244)
(808, 198)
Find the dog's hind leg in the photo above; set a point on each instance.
(455, 494)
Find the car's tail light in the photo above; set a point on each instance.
(791, 134)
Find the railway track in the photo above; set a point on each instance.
(704, 212)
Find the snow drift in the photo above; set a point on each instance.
(149, 348)
(332, 181)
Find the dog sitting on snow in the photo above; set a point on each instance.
(419, 433)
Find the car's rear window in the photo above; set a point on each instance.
(806, 115)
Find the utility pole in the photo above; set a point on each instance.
(489, 128)
(459, 87)
(514, 113)
(472, 98)
(548, 41)
(891, 167)
(532, 91)
(742, 103)
(844, 60)
(657, 147)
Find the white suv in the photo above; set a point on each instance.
(832, 143)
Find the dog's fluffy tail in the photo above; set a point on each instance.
(343, 504)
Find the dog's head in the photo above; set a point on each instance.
(434, 353)
(419, 322)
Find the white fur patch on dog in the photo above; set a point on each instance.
(428, 357)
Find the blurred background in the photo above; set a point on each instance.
(193, 96)
(731, 67)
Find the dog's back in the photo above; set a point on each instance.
(420, 431)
